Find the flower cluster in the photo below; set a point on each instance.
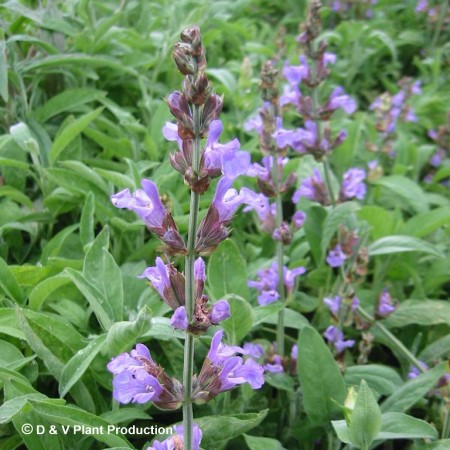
(390, 109)
(386, 305)
(175, 442)
(222, 370)
(267, 284)
(138, 379)
(359, 6)
(433, 12)
(336, 338)
(170, 285)
(441, 138)
(270, 360)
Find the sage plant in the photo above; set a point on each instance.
(137, 377)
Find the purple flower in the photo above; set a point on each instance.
(158, 276)
(298, 219)
(253, 350)
(219, 352)
(226, 200)
(219, 311)
(259, 203)
(385, 304)
(176, 441)
(415, 372)
(295, 74)
(224, 157)
(275, 366)
(267, 284)
(338, 99)
(312, 188)
(422, 6)
(333, 303)
(132, 382)
(170, 132)
(137, 387)
(336, 337)
(235, 371)
(294, 352)
(254, 123)
(336, 257)
(199, 270)
(180, 319)
(291, 96)
(353, 185)
(145, 203)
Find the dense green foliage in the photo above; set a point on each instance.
(82, 88)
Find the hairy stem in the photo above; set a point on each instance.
(188, 416)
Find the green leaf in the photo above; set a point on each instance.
(365, 418)
(262, 443)
(421, 312)
(217, 430)
(96, 300)
(385, 380)
(342, 431)
(413, 390)
(241, 320)
(71, 131)
(67, 100)
(78, 364)
(123, 335)
(315, 218)
(399, 244)
(426, 223)
(101, 271)
(441, 444)
(338, 216)
(227, 271)
(320, 378)
(21, 134)
(8, 283)
(407, 190)
(14, 406)
(401, 426)
(292, 319)
(44, 289)
(87, 221)
(380, 220)
(280, 381)
(9, 324)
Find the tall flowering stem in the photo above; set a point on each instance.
(270, 95)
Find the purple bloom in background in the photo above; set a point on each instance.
(336, 257)
(180, 319)
(254, 123)
(437, 158)
(253, 350)
(336, 337)
(219, 311)
(385, 304)
(158, 276)
(338, 99)
(176, 441)
(295, 74)
(267, 284)
(144, 202)
(275, 366)
(309, 187)
(353, 185)
(298, 219)
(333, 303)
(415, 372)
(422, 6)
(294, 352)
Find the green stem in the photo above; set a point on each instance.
(439, 23)
(392, 339)
(446, 426)
(327, 172)
(188, 416)
(280, 258)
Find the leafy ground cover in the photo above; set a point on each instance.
(354, 346)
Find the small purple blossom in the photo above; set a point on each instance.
(422, 6)
(298, 219)
(275, 366)
(336, 337)
(336, 256)
(353, 185)
(219, 311)
(253, 350)
(415, 372)
(235, 372)
(338, 99)
(226, 200)
(385, 304)
(180, 319)
(310, 188)
(158, 276)
(294, 352)
(174, 441)
(144, 202)
(333, 304)
(267, 284)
